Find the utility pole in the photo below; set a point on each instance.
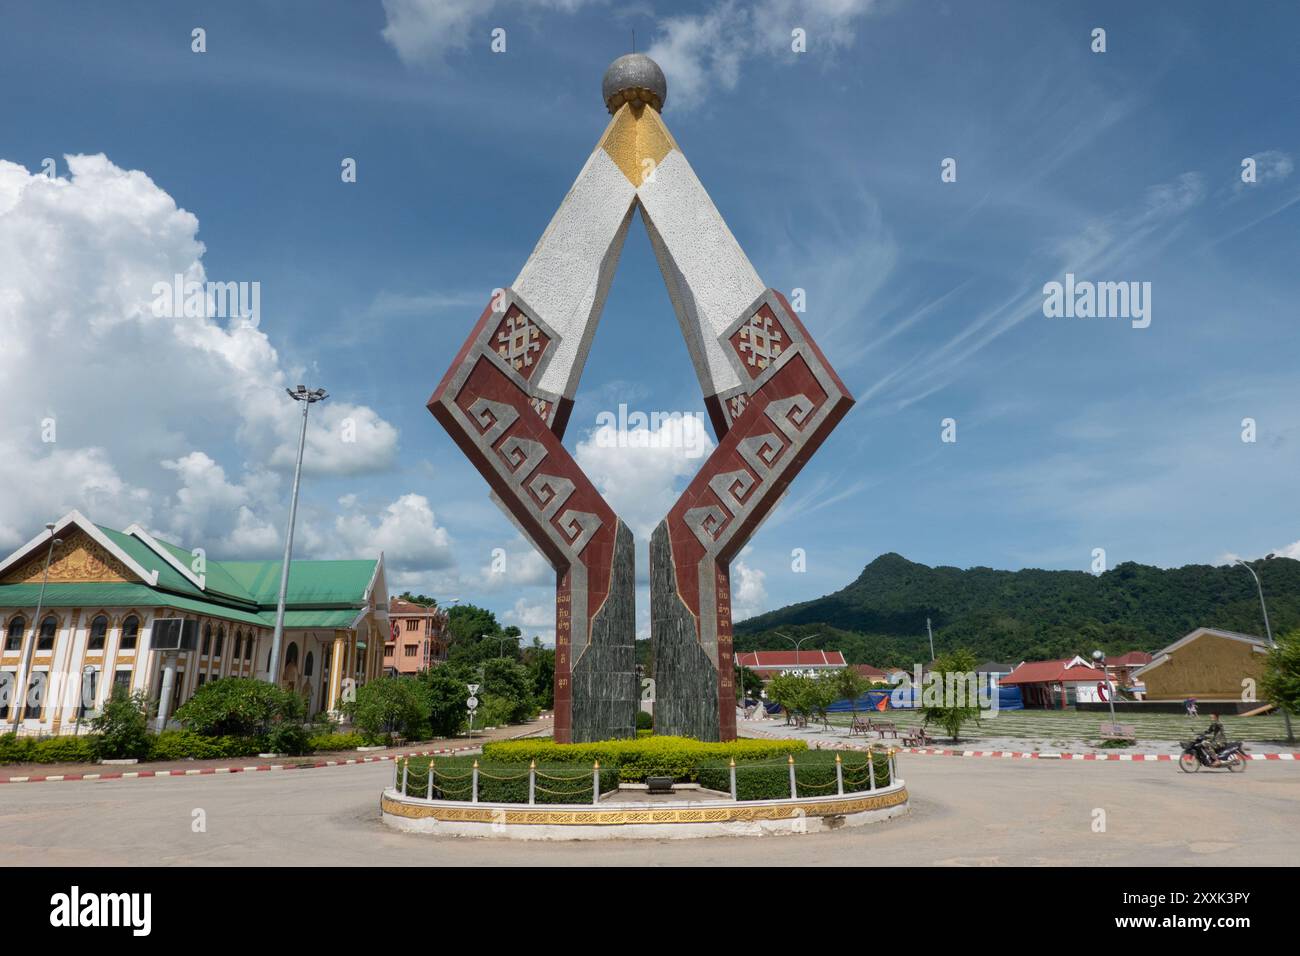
(931, 633)
(1268, 630)
(301, 394)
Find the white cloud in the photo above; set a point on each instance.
(425, 31)
(533, 618)
(748, 592)
(127, 414)
(639, 470)
(703, 51)
(407, 532)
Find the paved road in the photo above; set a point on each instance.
(965, 812)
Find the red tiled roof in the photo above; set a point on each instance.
(866, 670)
(1042, 672)
(1130, 659)
(803, 658)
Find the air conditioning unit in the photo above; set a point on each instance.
(174, 634)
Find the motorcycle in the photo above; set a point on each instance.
(1197, 754)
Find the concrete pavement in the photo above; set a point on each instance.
(964, 813)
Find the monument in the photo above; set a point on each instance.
(771, 395)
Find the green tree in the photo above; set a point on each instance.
(122, 727)
(1280, 684)
(509, 687)
(950, 711)
(540, 662)
(749, 683)
(420, 599)
(850, 684)
(239, 707)
(446, 696)
(390, 705)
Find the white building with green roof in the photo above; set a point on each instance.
(121, 607)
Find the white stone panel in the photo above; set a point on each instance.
(568, 275)
(709, 277)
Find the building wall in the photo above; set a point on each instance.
(65, 664)
(1209, 667)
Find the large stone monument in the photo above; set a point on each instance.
(771, 395)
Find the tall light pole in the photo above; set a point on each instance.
(307, 397)
(797, 645)
(25, 662)
(1100, 658)
(1268, 630)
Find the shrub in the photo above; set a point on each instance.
(814, 775)
(506, 782)
(644, 721)
(47, 749)
(289, 737)
(676, 757)
(186, 745)
(446, 701)
(122, 728)
(390, 705)
(64, 750)
(324, 743)
(15, 749)
(238, 707)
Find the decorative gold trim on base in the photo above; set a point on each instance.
(738, 813)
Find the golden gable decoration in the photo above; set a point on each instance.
(79, 559)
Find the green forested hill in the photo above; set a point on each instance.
(1030, 614)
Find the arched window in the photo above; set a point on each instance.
(308, 664)
(239, 645)
(98, 633)
(221, 640)
(248, 648)
(14, 637)
(207, 639)
(291, 655)
(130, 632)
(49, 627)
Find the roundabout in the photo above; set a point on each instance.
(654, 820)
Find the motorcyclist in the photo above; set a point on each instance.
(1215, 739)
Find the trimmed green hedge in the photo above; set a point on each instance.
(678, 757)
(766, 779)
(168, 745)
(505, 782)
(324, 743)
(14, 749)
(814, 774)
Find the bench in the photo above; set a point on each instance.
(884, 727)
(1126, 732)
(917, 737)
(860, 726)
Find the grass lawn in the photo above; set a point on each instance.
(1072, 725)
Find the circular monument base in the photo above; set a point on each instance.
(653, 821)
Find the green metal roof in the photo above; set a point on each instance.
(215, 576)
(314, 583)
(114, 594)
(322, 618)
(168, 577)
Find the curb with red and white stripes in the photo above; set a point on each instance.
(1020, 755)
(207, 771)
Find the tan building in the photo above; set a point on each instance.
(417, 639)
(1207, 664)
(123, 609)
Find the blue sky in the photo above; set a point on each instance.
(1072, 434)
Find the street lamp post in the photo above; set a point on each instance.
(1100, 658)
(798, 645)
(308, 398)
(1268, 631)
(25, 662)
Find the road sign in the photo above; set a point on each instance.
(473, 688)
(472, 703)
